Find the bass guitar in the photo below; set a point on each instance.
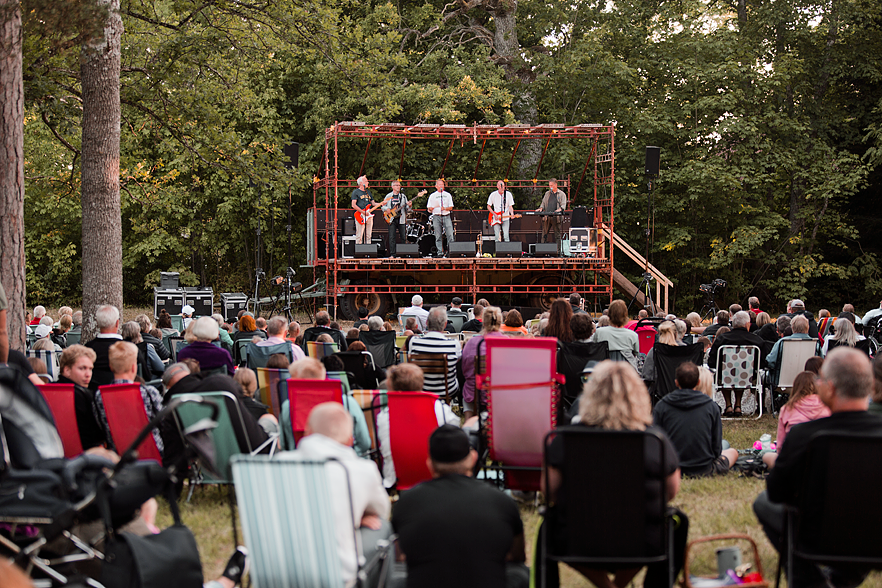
(497, 217)
(391, 214)
(362, 216)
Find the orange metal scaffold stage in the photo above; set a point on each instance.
(378, 283)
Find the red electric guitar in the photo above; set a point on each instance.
(362, 216)
(497, 217)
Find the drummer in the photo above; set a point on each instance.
(396, 203)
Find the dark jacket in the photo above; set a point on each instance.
(312, 333)
(692, 422)
(739, 336)
(813, 325)
(159, 346)
(91, 432)
(101, 373)
(768, 332)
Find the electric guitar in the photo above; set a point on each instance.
(362, 216)
(497, 217)
(392, 214)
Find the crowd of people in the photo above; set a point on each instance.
(840, 389)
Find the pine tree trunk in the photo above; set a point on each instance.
(12, 254)
(102, 223)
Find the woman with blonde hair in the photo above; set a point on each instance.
(613, 399)
(667, 335)
(705, 382)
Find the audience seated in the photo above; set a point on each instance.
(362, 317)
(293, 332)
(39, 313)
(692, 422)
(209, 355)
(226, 340)
(107, 321)
(667, 335)
(803, 406)
(247, 379)
(576, 303)
(146, 326)
(276, 328)
(739, 335)
(148, 359)
(559, 321)
(362, 505)
(75, 365)
(123, 361)
(514, 323)
(413, 325)
(614, 398)
(312, 369)
(845, 386)
(845, 336)
(482, 545)
(617, 336)
(165, 325)
(800, 326)
(247, 329)
(722, 320)
(323, 327)
(473, 348)
(475, 323)
(434, 341)
(416, 309)
(582, 326)
(796, 308)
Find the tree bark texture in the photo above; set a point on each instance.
(102, 223)
(12, 253)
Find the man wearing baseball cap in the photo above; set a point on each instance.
(457, 531)
(187, 313)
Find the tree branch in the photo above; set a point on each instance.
(57, 135)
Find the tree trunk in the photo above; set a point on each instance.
(102, 223)
(12, 253)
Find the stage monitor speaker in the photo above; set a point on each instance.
(653, 157)
(407, 250)
(292, 153)
(366, 250)
(580, 219)
(544, 250)
(509, 249)
(462, 249)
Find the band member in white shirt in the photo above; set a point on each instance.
(501, 207)
(440, 204)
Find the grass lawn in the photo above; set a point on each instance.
(714, 506)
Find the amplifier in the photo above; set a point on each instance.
(543, 249)
(169, 280)
(348, 244)
(231, 304)
(169, 299)
(509, 249)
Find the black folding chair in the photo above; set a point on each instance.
(835, 520)
(613, 520)
(571, 360)
(667, 358)
(354, 365)
(381, 344)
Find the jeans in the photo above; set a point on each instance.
(396, 235)
(505, 225)
(437, 221)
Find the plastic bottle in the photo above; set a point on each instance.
(766, 442)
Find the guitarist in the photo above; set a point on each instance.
(501, 207)
(363, 202)
(397, 206)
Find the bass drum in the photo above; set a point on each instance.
(415, 231)
(427, 245)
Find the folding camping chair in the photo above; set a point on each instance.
(303, 396)
(354, 364)
(257, 356)
(411, 419)
(126, 416)
(738, 368)
(318, 350)
(381, 345)
(667, 358)
(60, 398)
(434, 364)
(272, 388)
(50, 358)
(521, 385)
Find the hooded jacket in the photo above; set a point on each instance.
(692, 422)
(808, 408)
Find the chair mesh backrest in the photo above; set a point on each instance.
(318, 350)
(457, 320)
(49, 357)
(667, 358)
(270, 382)
(177, 322)
(258, 355)
(610, 491)
(288, 522)
(381, 345)
(647, 339)
(838, 504)
(343, 378)
(226, 445)
(571, 360)
(353, 363)
(411, 421)
(126, 416)
(240, 347)
(60, 398)
(73, 338)
(304, 395)
(792, 356)
(522, 397)
(737, 367)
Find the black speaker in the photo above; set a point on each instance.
(544, 249)
(579, 220)
(292, 152)
(368, 250)
(348, 226)
(407, 250)
(653, 155)
(462, 249)
(510, 249)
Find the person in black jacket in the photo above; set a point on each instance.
(691, 420)
(75, 365)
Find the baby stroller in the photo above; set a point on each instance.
(59, 517)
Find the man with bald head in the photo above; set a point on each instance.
(329, 436)
(844, 386)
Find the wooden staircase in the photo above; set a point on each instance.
(662, 283)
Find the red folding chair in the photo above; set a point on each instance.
(60, 398)
(411, 421)
(126, 416)
(521, 386)
(304, 395)
(646, 337)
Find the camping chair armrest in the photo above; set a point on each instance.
(380, 558)
(271, 439)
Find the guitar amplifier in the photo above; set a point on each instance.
(348, 245)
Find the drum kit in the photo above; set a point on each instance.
(419, 230)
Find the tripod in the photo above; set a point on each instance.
(648, 302)
(646, 289)
(710, 308)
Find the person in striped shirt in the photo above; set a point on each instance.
(434, 341)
